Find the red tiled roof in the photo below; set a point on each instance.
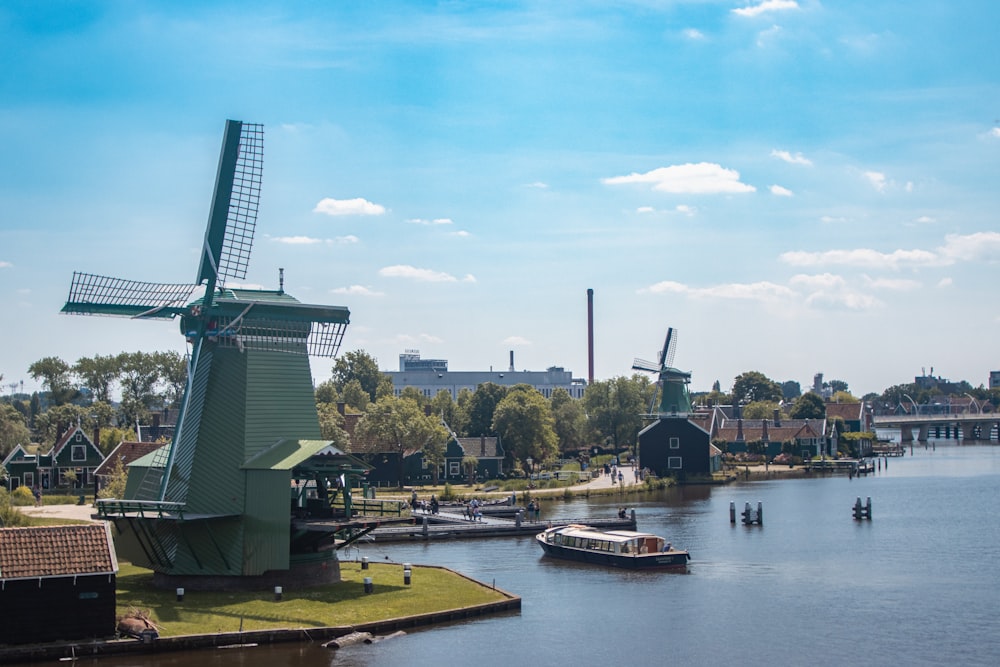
(56, 551)
(846, 411)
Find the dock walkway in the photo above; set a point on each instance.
(452, 525)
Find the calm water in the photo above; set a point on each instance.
(918, 585)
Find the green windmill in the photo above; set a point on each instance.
(673, 383)
(246, 489)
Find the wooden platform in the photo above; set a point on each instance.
(454, 526)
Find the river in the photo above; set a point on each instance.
(916, 585)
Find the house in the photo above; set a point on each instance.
(678, 445)
(857, 417)
(57, 583)
(73, 452)
(126, 452)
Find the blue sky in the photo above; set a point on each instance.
(795, 186)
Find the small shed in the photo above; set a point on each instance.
(57, 583)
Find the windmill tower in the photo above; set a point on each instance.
(216, 503)
(673, 383)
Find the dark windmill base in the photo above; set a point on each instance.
(318, 569)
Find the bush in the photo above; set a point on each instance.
(22, 496)
(448, 493)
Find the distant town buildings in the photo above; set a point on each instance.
(429, 376)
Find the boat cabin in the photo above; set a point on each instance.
(613, 541)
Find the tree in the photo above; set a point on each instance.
(399, 423)
(570, 420)
(117, 480)
(755, 386)
(809, 405)
(331, 426)
(523, 420)
(790, 389)
(140, 373)
(98, 374)
(414, 395)
(355, 395)
(13, 429)
(56, 420)
(327, 393)
(173, 374)
(482, 406)
(760, 410)
(442, 404)
(361, 366)
(836, 385)
(843, 397)
(615, 407)
(54, 374)
(470, 463)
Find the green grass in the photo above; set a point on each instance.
(344, 603)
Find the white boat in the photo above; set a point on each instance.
(615, 548)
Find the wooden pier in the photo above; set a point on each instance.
(446, 525)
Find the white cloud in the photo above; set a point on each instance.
(829, 219)
(686, 210)
(862, 257)
(995, 132)
(765, 35)
(877, 179)
(780, 191)
(981, 245)
(945, 282)
(414, 273)
(469, 278)
(356, 206)
(846, 299)
(344, 240)
(700, 178)
(894, 284)
(818, 281)
(692, 33)
(791, 159)
(435, 221)
(516, 340)
(6, 265)
(645, 209)
(766, 6)
(357, 290)
(296, 240)
(925, 220)
(537, 184)
(759, 291)
(461, 233)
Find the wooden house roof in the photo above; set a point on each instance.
(126, 452)
(485, 447)
(56, 551)
(846, 411)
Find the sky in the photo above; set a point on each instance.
(795, 186)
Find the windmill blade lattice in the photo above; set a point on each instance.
(91, 294)
(669, 349)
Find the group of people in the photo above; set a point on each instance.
(425, 506)
(474, 512)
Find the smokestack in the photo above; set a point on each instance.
(281, 281)
(590, 336)
(512, 361)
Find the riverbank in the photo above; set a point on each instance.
(385, 604)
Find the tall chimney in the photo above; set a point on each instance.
(763, 432)
(512, 361)
(590, 336)
(777, 417)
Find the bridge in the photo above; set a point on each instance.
(968, 426)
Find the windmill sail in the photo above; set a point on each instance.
(102, 295)
(674, 397)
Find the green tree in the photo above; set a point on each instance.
(399, 423)
(361, 366)
(760, 410)
(836, 385)
(523, 420)
(482, 405)
(570, 420)
(13, 429)
(790, 389)
(615, 407)
(114, 487)
(444, 405)
(58, 419)
(98, 374)
(469, 464)
(173, 375)
(355, 395)
(809, 405)
(327, 393)
(755, 386)
(54, 374)
(843, 397)
(414, 395)
(331, 426)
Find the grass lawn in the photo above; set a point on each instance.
(345, 603)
